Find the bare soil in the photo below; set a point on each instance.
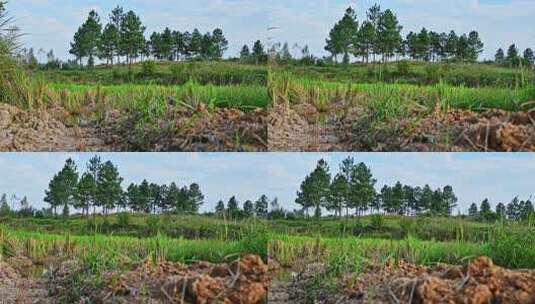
(480, 282)
(341, 127)
(179, 130)
(192, 130)
(43, 131)
(19, 287)
(244, 281)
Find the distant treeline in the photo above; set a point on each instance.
(99, 189)
(379, 38)
(353, 188)
(124, 37)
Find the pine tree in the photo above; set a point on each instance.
(233, 208)
(499, 58)
(451, 45)
(62, 188)
(248, 208)
(220, 210)
(261, 207)
(512, 55)
(245, 54)
(365, 41)
(337, 194)
(108, 43)
(473, 211)
(109, 191)
(259, 54)
(485, 211)
(219, 44)
(529, 57)
(5, 209)
(195, 198)
(501, 211)
(475, 46)
(361, 188)
(388, 34)
(85, 192)
(343, 35)
(132, 36)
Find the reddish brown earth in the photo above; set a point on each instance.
(42, 130)
(302, 127)
(244, 281)
(179, 130)
(18, 287)
(196, 130)
(480, 282)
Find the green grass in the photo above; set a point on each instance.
(397, 227)
(126, 95)
(38, 246)
(164, 73)
(394, 100)
(174, 226)
(358, 252)
(419, 73)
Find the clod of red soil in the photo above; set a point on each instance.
(40, 130)
(182, 129)
(346, 127)
(480, 282)
(494, 130)
(8, 276)
(245, 281)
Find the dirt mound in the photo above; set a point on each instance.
(494, 130)
(183, 129)
(18, 289)
(180, 129)
(480, 282)
(346, 127)
(40, 130)
(295, 129)
(244, 281)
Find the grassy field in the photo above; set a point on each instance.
(132, 225)
(164, 73)
(419, 73)
(148, 86)
(390, 100)
(397, 227)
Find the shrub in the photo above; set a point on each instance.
(403, 68)
(123, 219)
(148, 68)
(377, 222)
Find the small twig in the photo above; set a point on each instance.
(413, 290)
(463, 283)
(184, 289)
(393, 295)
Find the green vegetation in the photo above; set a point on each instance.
(163, 73)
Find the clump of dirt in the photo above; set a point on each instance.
(180, 129)
(347, 127)
(244, 281)
(41, 130)
(480, 282)
(463, 130)
(185, 129)
(296, 128)
(17, 287)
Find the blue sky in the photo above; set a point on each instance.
(499, 177)
(52, 23)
